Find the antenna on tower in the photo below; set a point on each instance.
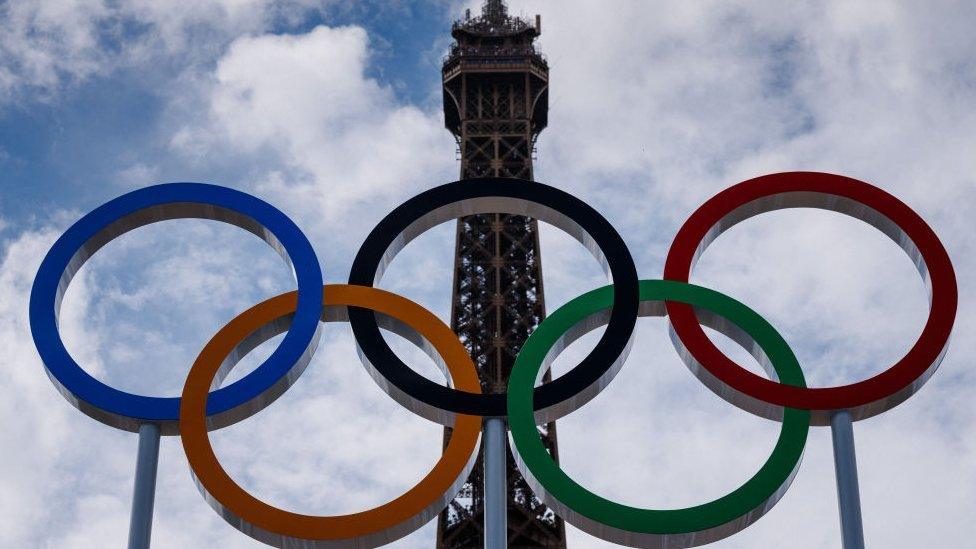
(494, 9)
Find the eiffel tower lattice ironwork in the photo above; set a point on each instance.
(496, 103)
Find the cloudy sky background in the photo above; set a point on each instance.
(331, 112)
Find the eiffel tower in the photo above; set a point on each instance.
(496, 102)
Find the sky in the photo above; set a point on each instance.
(331, 112)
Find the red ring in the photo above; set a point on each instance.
(791, 189)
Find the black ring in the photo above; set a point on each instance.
(513, 196)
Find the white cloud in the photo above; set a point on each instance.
(340, 142)
(137, 175)
(46, 46)
(39, 431)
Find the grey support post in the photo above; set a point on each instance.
(848, 495)
(496, 500)
(144, 493)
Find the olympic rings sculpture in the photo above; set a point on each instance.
(205, 405)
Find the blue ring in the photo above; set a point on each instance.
(225, 405)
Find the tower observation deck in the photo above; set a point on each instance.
(496, 98)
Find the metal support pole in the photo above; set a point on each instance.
(144, 493)
(848, 495)
(496, 500)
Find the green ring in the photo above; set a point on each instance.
(635, 526)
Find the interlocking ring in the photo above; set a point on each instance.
(634, 526)
(512, 196)
(839, 194)
(784, 397)
(370, 528)
(158, 203)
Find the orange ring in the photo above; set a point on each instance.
(372, 528)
